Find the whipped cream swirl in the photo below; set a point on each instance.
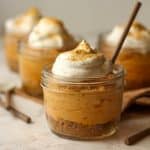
(23, 24)
(138, 37)
(50, 33)
(81, 62)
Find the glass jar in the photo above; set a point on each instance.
(83, 108)
(31, 63)
(11, 46)
(135, 62)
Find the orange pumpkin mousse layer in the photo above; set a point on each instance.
(135, 54)
(16, 31)
(83, 100)
(48, 38)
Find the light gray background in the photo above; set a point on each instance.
(80, 16)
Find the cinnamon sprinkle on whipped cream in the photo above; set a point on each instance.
(81, 62)
(83, 51)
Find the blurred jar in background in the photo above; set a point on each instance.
(17, 30)
(135, 54)
(48, 38)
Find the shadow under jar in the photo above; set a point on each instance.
(83, 108)
(11, 46)
(31, 63)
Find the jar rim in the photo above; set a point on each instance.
(117, 72)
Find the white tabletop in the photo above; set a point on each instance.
(17, 135)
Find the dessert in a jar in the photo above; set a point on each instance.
(16, 31)
(134, 56)
(48, 38)
(83, 94)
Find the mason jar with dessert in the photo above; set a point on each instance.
(48, 38)
(134, 56)
(83, 94)
(16, 31)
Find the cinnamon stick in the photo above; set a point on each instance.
(19, 114)
(8, 106)
(137, 136)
